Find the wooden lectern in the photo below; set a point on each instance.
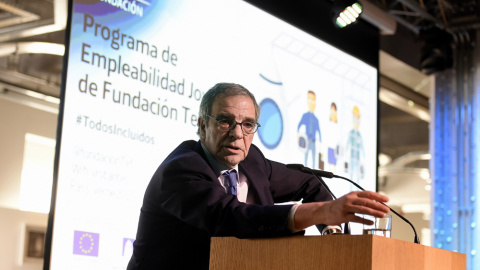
(344, 252)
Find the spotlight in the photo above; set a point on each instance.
(346, 12)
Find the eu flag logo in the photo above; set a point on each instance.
(85, 243)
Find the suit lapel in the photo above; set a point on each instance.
(258, 184)
(198, 148)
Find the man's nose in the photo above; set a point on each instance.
(237, 131)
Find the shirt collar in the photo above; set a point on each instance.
(219, 168)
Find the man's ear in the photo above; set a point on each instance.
(202, 127)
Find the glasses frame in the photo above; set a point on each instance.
(257, 125)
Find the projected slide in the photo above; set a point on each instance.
(136, 73)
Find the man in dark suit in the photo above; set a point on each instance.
(222, 185)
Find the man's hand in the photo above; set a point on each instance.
(341, 210)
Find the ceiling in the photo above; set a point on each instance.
(31, 45)
(422, 15)
(32, 38)
(27, 64)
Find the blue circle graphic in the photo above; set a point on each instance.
(271, 121)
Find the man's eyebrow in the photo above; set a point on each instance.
(224, 115)
(249, 119)
(228, 116)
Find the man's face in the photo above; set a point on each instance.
(311, 102)
(356, 119)
(228, 147)
(333, 114)
(356, 122)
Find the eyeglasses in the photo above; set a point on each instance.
(247, 127)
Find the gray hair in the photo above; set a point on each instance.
(225, 90)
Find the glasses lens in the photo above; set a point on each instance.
(228, 124)
(249, 127)
(224, 124)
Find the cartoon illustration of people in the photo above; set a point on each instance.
(332, 141)
(312, 128)
(354, 149)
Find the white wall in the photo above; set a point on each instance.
(12, 235)
(15, 121)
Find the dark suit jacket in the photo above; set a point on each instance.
(185, 205)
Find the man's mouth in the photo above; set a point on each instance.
(232, 148)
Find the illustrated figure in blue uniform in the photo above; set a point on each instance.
(355, 148)
(312, 127)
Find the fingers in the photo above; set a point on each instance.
(366, 205)
(373, 196)
(367, 202)
(359, 219)
(345, 208)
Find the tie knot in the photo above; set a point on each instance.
(230, 172)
